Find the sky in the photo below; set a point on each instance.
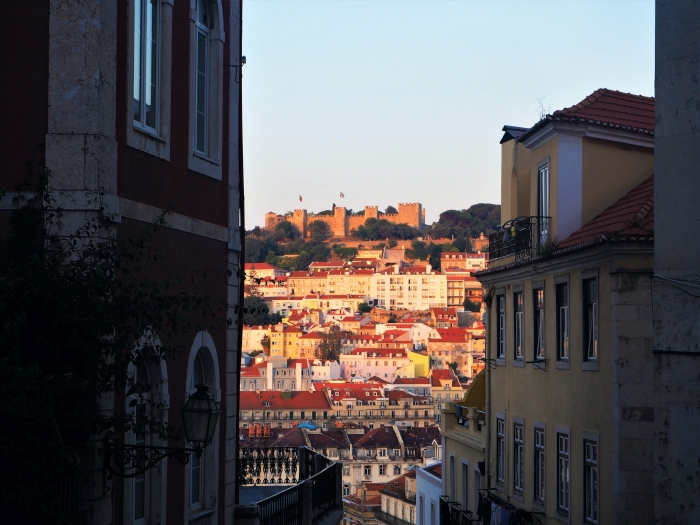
(392, 101)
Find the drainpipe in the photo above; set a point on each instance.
(241, 264)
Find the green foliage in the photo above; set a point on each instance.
(257, 250)
(331, 344)
(453, 365)
(465, 224)
(319, 231)
(265, 344)
(78, 311)
(471, 306)
(286, 231)
(364, 308)
(344, 253)
(257, 312)
(392, 319)
(393, 243)
(374, 229)
(390, 210)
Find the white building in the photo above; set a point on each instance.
(384, 363)
(325, 370)
(428, 492)
(408, 288)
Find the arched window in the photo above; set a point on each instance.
(144, 494)
(202, 472)
(202, 71)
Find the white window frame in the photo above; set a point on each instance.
(563, 449)
(591, 477)
(500, 449)
(208, 162)
(518, 326)
(501, 326)
(540, 334)
(591, 339)
(543, 201)
(563, 338)
(518, 455)
(540, 463)
(151, 140)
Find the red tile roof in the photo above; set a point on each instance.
(291, 400)
(397, 395)
(435, 470)
(379, 437)
(260, 266)
(605, 107)
(380, 352)
(444, 374)
(411, 381)
(631, 217)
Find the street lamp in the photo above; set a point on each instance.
(199, 415)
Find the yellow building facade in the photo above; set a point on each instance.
(569, 333)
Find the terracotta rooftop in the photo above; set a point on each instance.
(444, 374)
(435, 470)
(379, 437)
(411, 381)
(420, 436)
(283, 400)
(605, 107)
(630, 218)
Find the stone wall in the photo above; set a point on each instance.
(632, 340)
(676, 256)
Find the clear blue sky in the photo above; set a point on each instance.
(396, 101)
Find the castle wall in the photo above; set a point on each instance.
(341, 223)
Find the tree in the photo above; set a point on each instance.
(331, 344)
(392, 319)
(265, 344)
(471, 306)
(319, 231)
(364, 308)
(286, 231)
(79, 312)
(390, 210)
(257, 312)
(454, 366)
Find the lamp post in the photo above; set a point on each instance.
(200, 415)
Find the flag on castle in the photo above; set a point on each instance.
(300, 199)
(342, 195)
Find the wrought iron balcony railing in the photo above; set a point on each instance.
(451, 513)
(399, 492)
(385, 517)
(523, 237)
(315, 491)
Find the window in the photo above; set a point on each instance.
(590, 481)
(206, 101)
(196, 470)
(518, 458)
(382, 470)
(563, 473)
(382, 452)
(477, 485)
(346, 489)
(140, 483)
(500, 450)
(146, 63)
(562, 293)
(501, 326)
(421, 510)
(543, 202)
(453, 480)
(518, 325)
(465, 486)
(590, 319)
(539, 466)
(368, 470)
(538, 303)
(397, 470)
(346, 470)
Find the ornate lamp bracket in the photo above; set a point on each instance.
(129, 461)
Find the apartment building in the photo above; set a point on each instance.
(263, 270)
(356, 282)
(303, 283)
(284, 340)
(253, 336)
(464, 437)
(568, 290)
(408, 288)
(385, 363)
(445, 388)
(283, 409)
(468, 262)
(278, 373)
(372, 405)
(444, 317)
(398, 501)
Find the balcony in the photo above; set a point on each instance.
(288, 486)
(400, 492)
(385, 517)
(451, 513)
(523, 238)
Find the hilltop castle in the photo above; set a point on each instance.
(342, 223)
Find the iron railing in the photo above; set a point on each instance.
(523, 237)
(451, 513)
(385, 517)
(316, 484)
(399, 492)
